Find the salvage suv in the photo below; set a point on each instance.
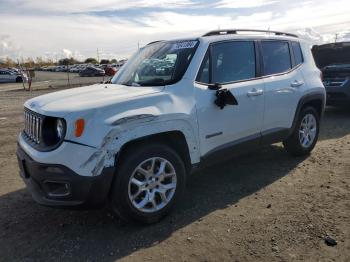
(175, 106)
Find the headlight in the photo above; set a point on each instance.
(59, 128)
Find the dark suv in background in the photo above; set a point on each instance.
(334, 61)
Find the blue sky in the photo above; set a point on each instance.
(65, 28)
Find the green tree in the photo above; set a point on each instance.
(90, 61)
(104, 61)
(68, 61)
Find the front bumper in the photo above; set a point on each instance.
(57, 185)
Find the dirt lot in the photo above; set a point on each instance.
(265, 206)
(44, 79)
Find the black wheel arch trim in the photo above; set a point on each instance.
(313, 96)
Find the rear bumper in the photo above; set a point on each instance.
(59, 186)
(338, 96)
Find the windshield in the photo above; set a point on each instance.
(157, 64)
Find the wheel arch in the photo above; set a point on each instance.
(174, 139)
(317, 100)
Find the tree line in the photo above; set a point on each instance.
(39, 62)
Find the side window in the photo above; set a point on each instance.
(298, 55)
(276, 57)
(233, 61)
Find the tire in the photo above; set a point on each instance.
(19, 80)
(297, 144)
(126, 196)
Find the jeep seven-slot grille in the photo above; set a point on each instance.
(32, 126)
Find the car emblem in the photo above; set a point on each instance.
(32, 105)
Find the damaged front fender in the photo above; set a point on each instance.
(134, 127)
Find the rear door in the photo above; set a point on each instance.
(283, 81)
(232, 65)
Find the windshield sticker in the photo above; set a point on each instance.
(184, 45)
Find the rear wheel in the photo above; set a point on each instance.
(305, 134)
(149, 181)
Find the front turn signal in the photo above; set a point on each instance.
(79, 127)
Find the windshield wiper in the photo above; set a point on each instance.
(151, 82)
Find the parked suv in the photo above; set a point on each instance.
(175, 106)
(334, 61)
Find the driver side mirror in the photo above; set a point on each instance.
(224, 97)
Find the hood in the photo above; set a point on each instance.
(64, 102)
(331, 54)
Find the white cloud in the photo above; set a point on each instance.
(7, 46)
(244, 4)
(48, 33)
(80, 6)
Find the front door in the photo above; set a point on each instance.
(232, 64)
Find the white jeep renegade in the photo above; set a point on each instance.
(175, 105)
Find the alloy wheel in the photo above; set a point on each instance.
(152, 185)
(307, 130)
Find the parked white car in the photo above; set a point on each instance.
(9, 76)
(174, 106)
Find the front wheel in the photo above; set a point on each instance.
(19, 79)
(148, 183)
(305, 134)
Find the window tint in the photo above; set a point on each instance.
(233, 61)
(276, 57)
(298, 56)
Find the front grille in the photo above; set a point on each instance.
(335, 81)
(32, 126)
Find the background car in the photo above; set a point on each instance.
(7, 76)
(92, 71)
(110, 71)
(334, 61)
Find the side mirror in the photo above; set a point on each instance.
(224, 97)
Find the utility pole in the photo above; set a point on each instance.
(138, 45)
(98, 56)
(336, 38)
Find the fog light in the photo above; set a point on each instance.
(57, 189)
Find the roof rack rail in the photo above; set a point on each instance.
(234, 31)
(155, 42)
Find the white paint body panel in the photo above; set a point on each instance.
(115, 115)
(234, 122)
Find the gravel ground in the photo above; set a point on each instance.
(264, 206)
(44, 80)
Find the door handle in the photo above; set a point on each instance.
(296, 83)
(255, 92)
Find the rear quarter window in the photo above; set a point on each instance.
(298, 55)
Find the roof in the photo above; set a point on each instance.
(219, 35)
(243, 34)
